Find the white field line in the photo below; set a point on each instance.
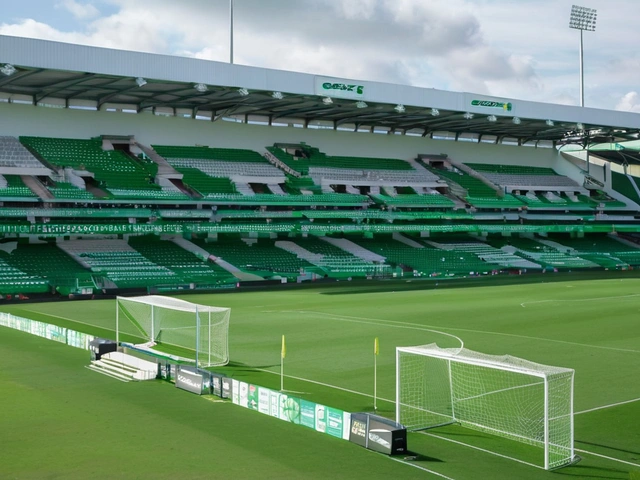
(71, 320)
(607, 406)
(498, 391)
(608, 458)
(355, 392)
(593, 299)
(417, 466)
(481, 449)
(425, 328)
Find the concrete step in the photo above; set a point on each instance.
(98, 369)
(114, 369)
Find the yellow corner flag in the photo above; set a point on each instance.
(376, 347)
(284, 348)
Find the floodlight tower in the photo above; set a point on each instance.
(582, 18)
(230, 31)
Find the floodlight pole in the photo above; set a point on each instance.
(581, 70)
(582, 19)
(231, 31)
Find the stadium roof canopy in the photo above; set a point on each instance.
(627, 153)
(74, 76)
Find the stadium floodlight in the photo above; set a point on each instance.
(243, 92)
(434, 112)
(399, 108)
(582, 18)
(8, 69)
(327, 100)
(141, 82)
(516, 120)
(492, 118)
(468, 116)
(277, 95)
(550, 123)
(496, 394)
(201, 87)
(361, 104)
(579, 126)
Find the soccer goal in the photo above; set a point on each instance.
(502, 395)
(202, 329)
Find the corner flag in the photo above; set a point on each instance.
(283, 353)
(376, 351)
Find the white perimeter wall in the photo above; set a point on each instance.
(17, 119)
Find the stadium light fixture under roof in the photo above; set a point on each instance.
(8, 69)
(201, 87)
(492, 118)
(399, 108)
(361, 104)
(582, 18)
(550, 123)
(434, 112)
(243, 92)
(327, 100)
(141, 82)
(468, 115)
(277, 95)
(516, 120)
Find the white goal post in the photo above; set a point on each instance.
(501, 395)
(202, 329)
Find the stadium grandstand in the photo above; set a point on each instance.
(133, 172)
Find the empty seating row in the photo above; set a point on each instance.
(51, 263)
(69, 191)
(511, 169)
(347, 174)
(114, 169)
(119, 262)
(189, 268)
(205, 184)
(14, 154)
(14, 280)
(269, 199)
(427, 260)
(215, 168)
(207, 153)
(255, 255)
(13, 186)
(428, 200)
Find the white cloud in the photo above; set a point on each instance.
(629, 103)
(79, 10)
(496, 47)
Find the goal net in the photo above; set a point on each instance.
(501, 395)
(202, 331)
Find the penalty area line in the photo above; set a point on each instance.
(70, 320)
(579, 299)
(417, 466)
(481, 449)
(608, 406)
(325, 385)
(606, 457)
(431, 328)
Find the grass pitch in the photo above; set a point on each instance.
(150, 429)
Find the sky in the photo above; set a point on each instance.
(522, 49)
